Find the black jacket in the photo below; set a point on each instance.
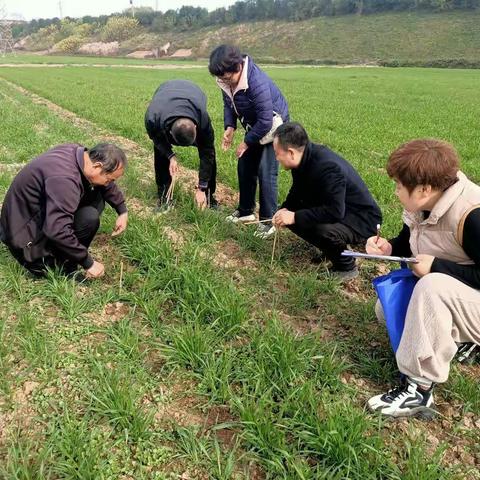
(181, 98)
(327, 189)
(41, 202)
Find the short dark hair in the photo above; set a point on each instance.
(183, 131)
(291, 134)
(109, 155)
(425, 161)
(225, 59)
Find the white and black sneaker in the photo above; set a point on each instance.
(406, 400)
(264, 231)
(468, 353)
(235, 217)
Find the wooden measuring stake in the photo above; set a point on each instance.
(256, 222)
(275, 244)
(120, 285)
(169, 195)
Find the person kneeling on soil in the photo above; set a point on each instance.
(177, 115)
(52, 209)
(328, 205)
(442, 230)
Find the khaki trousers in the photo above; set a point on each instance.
(442, 312)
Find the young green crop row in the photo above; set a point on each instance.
(99, 386)
(361, 113)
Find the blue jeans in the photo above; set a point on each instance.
(258, 162)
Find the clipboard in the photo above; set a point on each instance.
(386, 258)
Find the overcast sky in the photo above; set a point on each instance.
(28, 9)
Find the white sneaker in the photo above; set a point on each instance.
(236, 218)
(406, 400)
(264, 231)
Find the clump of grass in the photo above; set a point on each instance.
(189, 282)
(463, 389)
(18, 282)
(307, 291)
(203, 297)
(188, 346)
(77, 447)
(36, 344)
(5, 354)
(217, 380)
(205, 451)
(113, 396)
(144, 243)
(340, 437)
(26, 459)
(276, 360)
(126, 342)
(64, 292)
(417, 464)
(151, 300)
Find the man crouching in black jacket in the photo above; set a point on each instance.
(52, 209)
(177, 115)
(328, 205)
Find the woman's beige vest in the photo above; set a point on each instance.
(441, 234)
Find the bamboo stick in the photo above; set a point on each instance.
(120, 285)
(255, 222)
(169, 195)
(275, 243)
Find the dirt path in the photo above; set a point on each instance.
(173, 66)
(99, 65)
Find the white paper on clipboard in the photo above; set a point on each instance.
(371, 256)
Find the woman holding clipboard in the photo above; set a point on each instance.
(442, 232)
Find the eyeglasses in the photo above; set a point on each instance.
(227, 77)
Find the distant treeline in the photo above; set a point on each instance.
(186, 18)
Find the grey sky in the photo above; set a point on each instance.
(28, 9)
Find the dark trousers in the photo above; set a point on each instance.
(332, 239)
(86, 222)
(258, 163)
(163, 178)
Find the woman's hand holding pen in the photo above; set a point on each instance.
(378, 246)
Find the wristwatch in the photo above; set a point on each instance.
(202, 189)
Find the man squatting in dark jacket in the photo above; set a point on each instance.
(328, 205)
(52, 209)
(177, 115)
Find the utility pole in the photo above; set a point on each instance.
(6, 37)
(60, 9)
(133, 9)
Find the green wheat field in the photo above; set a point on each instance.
(196, 356)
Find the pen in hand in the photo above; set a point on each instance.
(378, 233)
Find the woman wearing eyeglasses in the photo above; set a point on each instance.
(250, 96)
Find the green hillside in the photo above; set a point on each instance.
(423, 39)
(395, 37)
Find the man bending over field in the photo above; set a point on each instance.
(328, 205)
(177, 115)
(52, 210)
